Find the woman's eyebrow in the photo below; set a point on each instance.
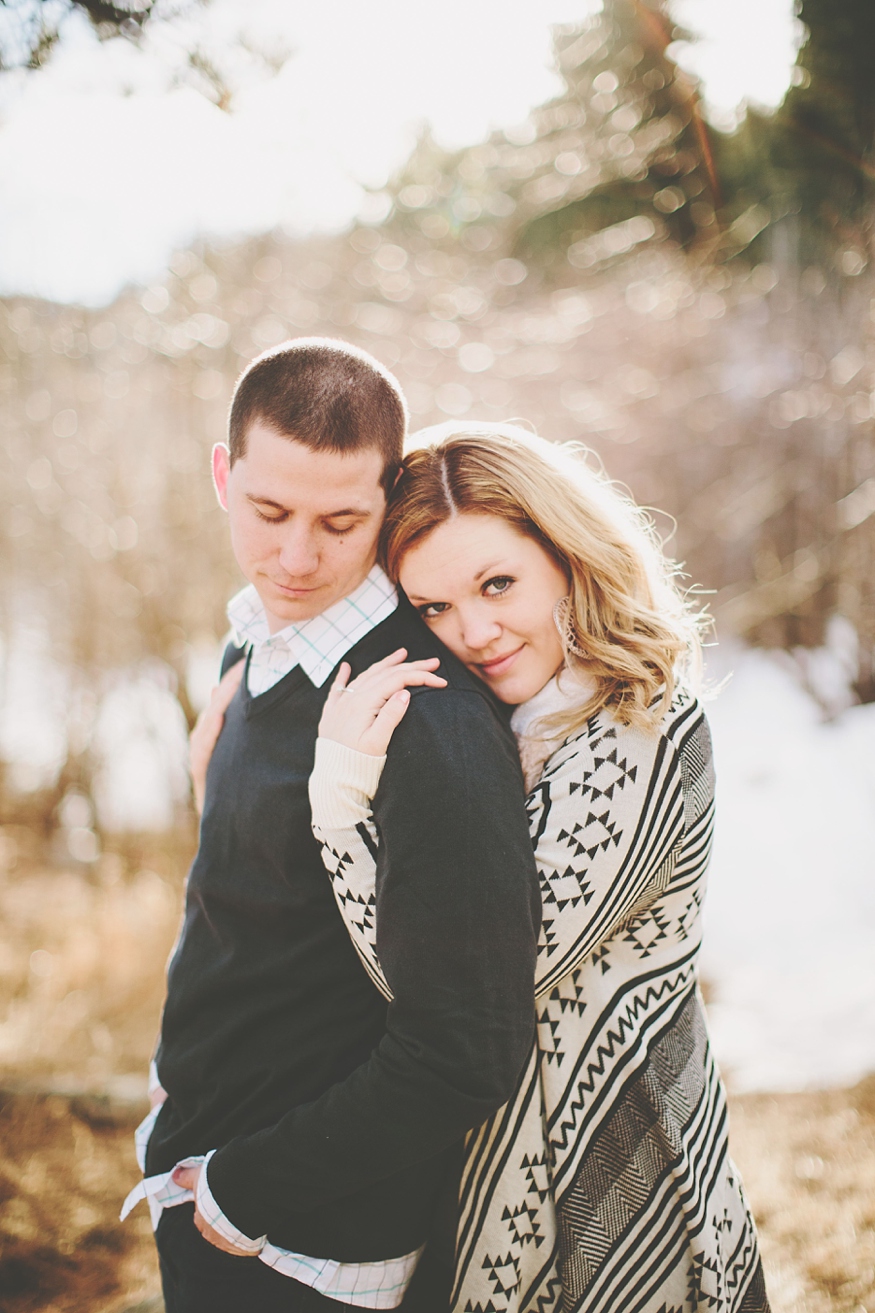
(487, 570)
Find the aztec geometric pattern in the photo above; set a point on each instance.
(605, 1184)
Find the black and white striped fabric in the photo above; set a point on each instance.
(605, 1185)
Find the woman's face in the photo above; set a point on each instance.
(488, 592)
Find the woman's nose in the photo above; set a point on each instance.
(479, 630)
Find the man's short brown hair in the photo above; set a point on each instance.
(325, 393)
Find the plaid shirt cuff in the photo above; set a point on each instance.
(212, 1213)
(154, 1079)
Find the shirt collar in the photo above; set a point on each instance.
(319, 643)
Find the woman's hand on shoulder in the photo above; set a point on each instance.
(364, 714)
(208, 727)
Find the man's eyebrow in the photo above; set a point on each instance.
(356, 511)
(265, 501)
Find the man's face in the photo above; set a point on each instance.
(304, 523)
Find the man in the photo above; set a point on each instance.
(316, 1130)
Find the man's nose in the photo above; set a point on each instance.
(299, 553)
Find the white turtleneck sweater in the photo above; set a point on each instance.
(536, 741)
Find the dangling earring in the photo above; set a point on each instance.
(564, 622)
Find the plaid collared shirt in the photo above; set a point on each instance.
(316, 645)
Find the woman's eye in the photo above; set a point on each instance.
(433, 609)
(495, 587)
(269, 519)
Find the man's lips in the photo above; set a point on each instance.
(293, 590)
(498, 665)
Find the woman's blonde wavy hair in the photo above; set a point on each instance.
(625, 622)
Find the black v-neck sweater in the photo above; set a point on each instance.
(334, 1116)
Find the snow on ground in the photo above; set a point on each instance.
(790, 914)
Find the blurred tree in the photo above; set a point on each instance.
(639, 123)
(29, 29)
(104, 494)
(825, 129)
(214, 61)
(624, 141)
(799, 184)
(806, 173)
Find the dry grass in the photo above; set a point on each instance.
(82, 955)
(82, 958)
(67, 1165)
(808, 1161)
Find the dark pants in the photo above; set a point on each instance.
(198, 1278)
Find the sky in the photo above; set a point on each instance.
(111, 158)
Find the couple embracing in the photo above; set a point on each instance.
(433, 1038)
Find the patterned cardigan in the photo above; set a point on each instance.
(605, 1184)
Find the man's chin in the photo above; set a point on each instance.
(291, 607)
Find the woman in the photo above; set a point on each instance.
(605, 1184)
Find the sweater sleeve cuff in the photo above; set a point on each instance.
(212, 1213)
(342, 785)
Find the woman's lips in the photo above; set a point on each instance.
(499, 665)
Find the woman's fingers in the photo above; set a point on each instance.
(212, 717)
(384, 663)
(227, 686)
(376, 686)
(208, 727)
(352, 710)
(405, 677)
(377, 679)
(388, 719)
(393, 662)
(340, 683)
(392, 659)
(328, 721)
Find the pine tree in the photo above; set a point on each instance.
(825, 129)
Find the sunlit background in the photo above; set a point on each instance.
(116, 156)
(643, 225)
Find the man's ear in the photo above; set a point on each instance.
(221, 470)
